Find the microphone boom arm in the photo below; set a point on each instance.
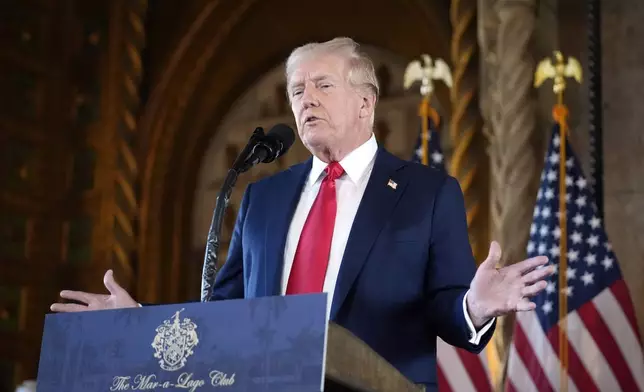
(211, 257)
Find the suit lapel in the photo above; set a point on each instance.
(278, 219)
(380, 198)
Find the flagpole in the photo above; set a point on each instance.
(560, 113)
(423, 112)
(558, 71)
(427, 113)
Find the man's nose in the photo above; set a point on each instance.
(309, 98)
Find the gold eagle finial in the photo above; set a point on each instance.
(427, 73)
(558, 71)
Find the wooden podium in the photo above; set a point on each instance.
(352, 366)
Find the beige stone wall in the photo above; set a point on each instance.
(623, 84)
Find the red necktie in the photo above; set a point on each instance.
(312, 253)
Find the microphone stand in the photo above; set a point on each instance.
(241, 164)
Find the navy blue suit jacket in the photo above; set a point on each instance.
(405, 270)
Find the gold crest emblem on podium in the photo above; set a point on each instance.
(174, 342)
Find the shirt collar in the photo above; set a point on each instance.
(354, 164)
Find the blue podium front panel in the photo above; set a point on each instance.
(261, 344)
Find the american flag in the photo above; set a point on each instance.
(458, 370)
(604, 351)
(434, 151)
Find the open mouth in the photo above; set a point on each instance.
(310, 119)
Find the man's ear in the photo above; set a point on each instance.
(368, 105)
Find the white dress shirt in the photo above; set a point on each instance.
(350, 188)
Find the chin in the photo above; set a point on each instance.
(316, 136)
(316, 143)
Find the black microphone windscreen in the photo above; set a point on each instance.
(284, 134)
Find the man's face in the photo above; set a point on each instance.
(326, 107)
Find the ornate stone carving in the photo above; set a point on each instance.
(509, 109)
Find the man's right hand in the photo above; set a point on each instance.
(118, 298)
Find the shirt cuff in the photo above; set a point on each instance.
(475, 337)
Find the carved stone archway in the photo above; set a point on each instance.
(226, 47)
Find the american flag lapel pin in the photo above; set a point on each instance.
(392, 184)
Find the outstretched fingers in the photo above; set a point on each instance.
(525, 305)
(524, 266)
(533, 289)
(81, 296)
(68, 307)
(538, 274)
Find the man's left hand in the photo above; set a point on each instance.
(498, 291)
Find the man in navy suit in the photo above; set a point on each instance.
(385, 238)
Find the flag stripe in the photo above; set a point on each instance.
(475, 369)
(544, 353)
(626, 339)
(453, 369)
(576, 370)
(520, 376)
(443, 384)
(607, 345)
(509, 386)
(530, 360)
(620, 291)
(593, 359)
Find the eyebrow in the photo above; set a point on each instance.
(315, 79)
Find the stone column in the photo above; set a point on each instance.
(509, 107)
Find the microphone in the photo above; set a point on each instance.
(260, 148)
(265, 148)
(276, 143)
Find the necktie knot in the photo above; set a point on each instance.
(333, 171)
